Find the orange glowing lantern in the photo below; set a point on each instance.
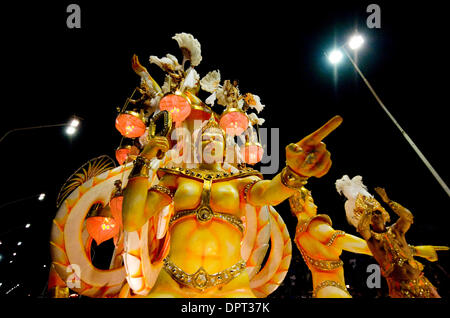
(102, 228)
(124, 152)
(252, 152)
(178, 106)
(233, 121)
(130, 124)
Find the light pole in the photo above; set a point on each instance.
(355, 42)
(72, 127)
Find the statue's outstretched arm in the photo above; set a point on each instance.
(306, 158)
(428, 251)
(353, 244)
(324, 233)
(269, 192)
(406, 218)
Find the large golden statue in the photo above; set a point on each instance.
(206, 229)
(195, 220)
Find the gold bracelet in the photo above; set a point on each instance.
(162, 189)
(247, 188)
(141, 168)
(291, 179)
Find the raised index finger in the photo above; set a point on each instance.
(317, 136)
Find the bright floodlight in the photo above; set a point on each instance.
(74, 123)
(356, 42)
(41, 196)
(70, 130)
(27, 225)
(335, 56)
(19, 243)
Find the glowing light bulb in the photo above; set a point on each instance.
(355, 42)
(335, 56)
(74, 123)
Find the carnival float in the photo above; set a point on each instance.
(187, 214)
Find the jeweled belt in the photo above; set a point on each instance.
(204, 213)
(321, 264)
(327, 283)
(201, 280)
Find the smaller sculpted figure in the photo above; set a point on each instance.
(321, 246)
(404, 275)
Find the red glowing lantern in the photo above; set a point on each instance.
(102, 228)
(233, 121)
(130, 124)
(123, 152)
(178, 106)
(252, 152)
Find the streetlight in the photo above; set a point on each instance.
(355, 42)
(72, 127)
(40, 196)
(335, 56)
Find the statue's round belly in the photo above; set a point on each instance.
(213, 245)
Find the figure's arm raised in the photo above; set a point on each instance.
(135, 194)
(143, 73)
(406, 218)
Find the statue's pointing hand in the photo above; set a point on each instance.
(309, 157)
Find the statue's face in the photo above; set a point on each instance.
(379, 219)
(212, 145)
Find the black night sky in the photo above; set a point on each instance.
(276, 51)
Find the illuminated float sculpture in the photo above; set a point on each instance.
(140, 254)
(188, 217)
